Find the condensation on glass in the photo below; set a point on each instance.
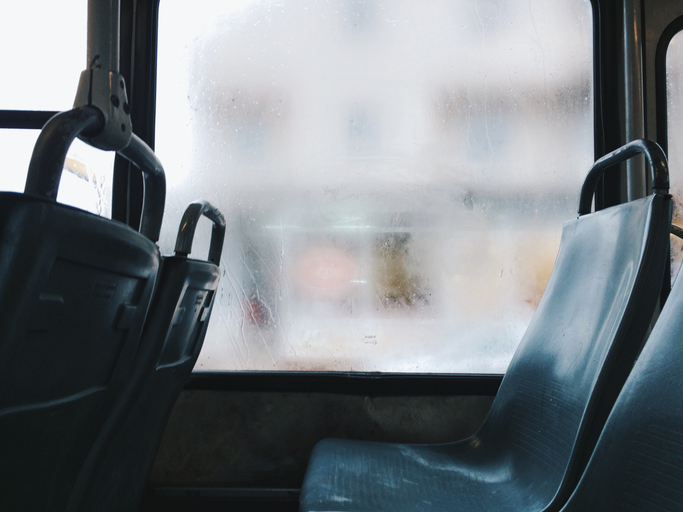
(674, 109)
(395, 174)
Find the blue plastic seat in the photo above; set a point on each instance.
(559, 388)
(75, 289)
(638, 460)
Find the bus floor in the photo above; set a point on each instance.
(223, 500)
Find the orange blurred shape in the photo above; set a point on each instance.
(326, 272)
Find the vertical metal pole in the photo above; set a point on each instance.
(103, 34)
(634, 115)
(101, 85)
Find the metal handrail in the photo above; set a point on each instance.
(47, 163)
(656, 160)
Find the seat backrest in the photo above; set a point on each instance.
(170, 345)
(75, 289)
(638, 460)
(582, 341)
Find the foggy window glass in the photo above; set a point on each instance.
(395, 174)
(43, 52)
(674, 108)
(86, 179)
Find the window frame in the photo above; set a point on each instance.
(139, 28)
(344, 381)
(673, 29)
(327, 381)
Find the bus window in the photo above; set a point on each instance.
(674, 107)
(395, 175)
(45, 52)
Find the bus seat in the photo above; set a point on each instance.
(75, 289)
(638, 460)
(170, 345)
(567, 371)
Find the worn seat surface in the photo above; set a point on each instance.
(559, 388)
(638, 461)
